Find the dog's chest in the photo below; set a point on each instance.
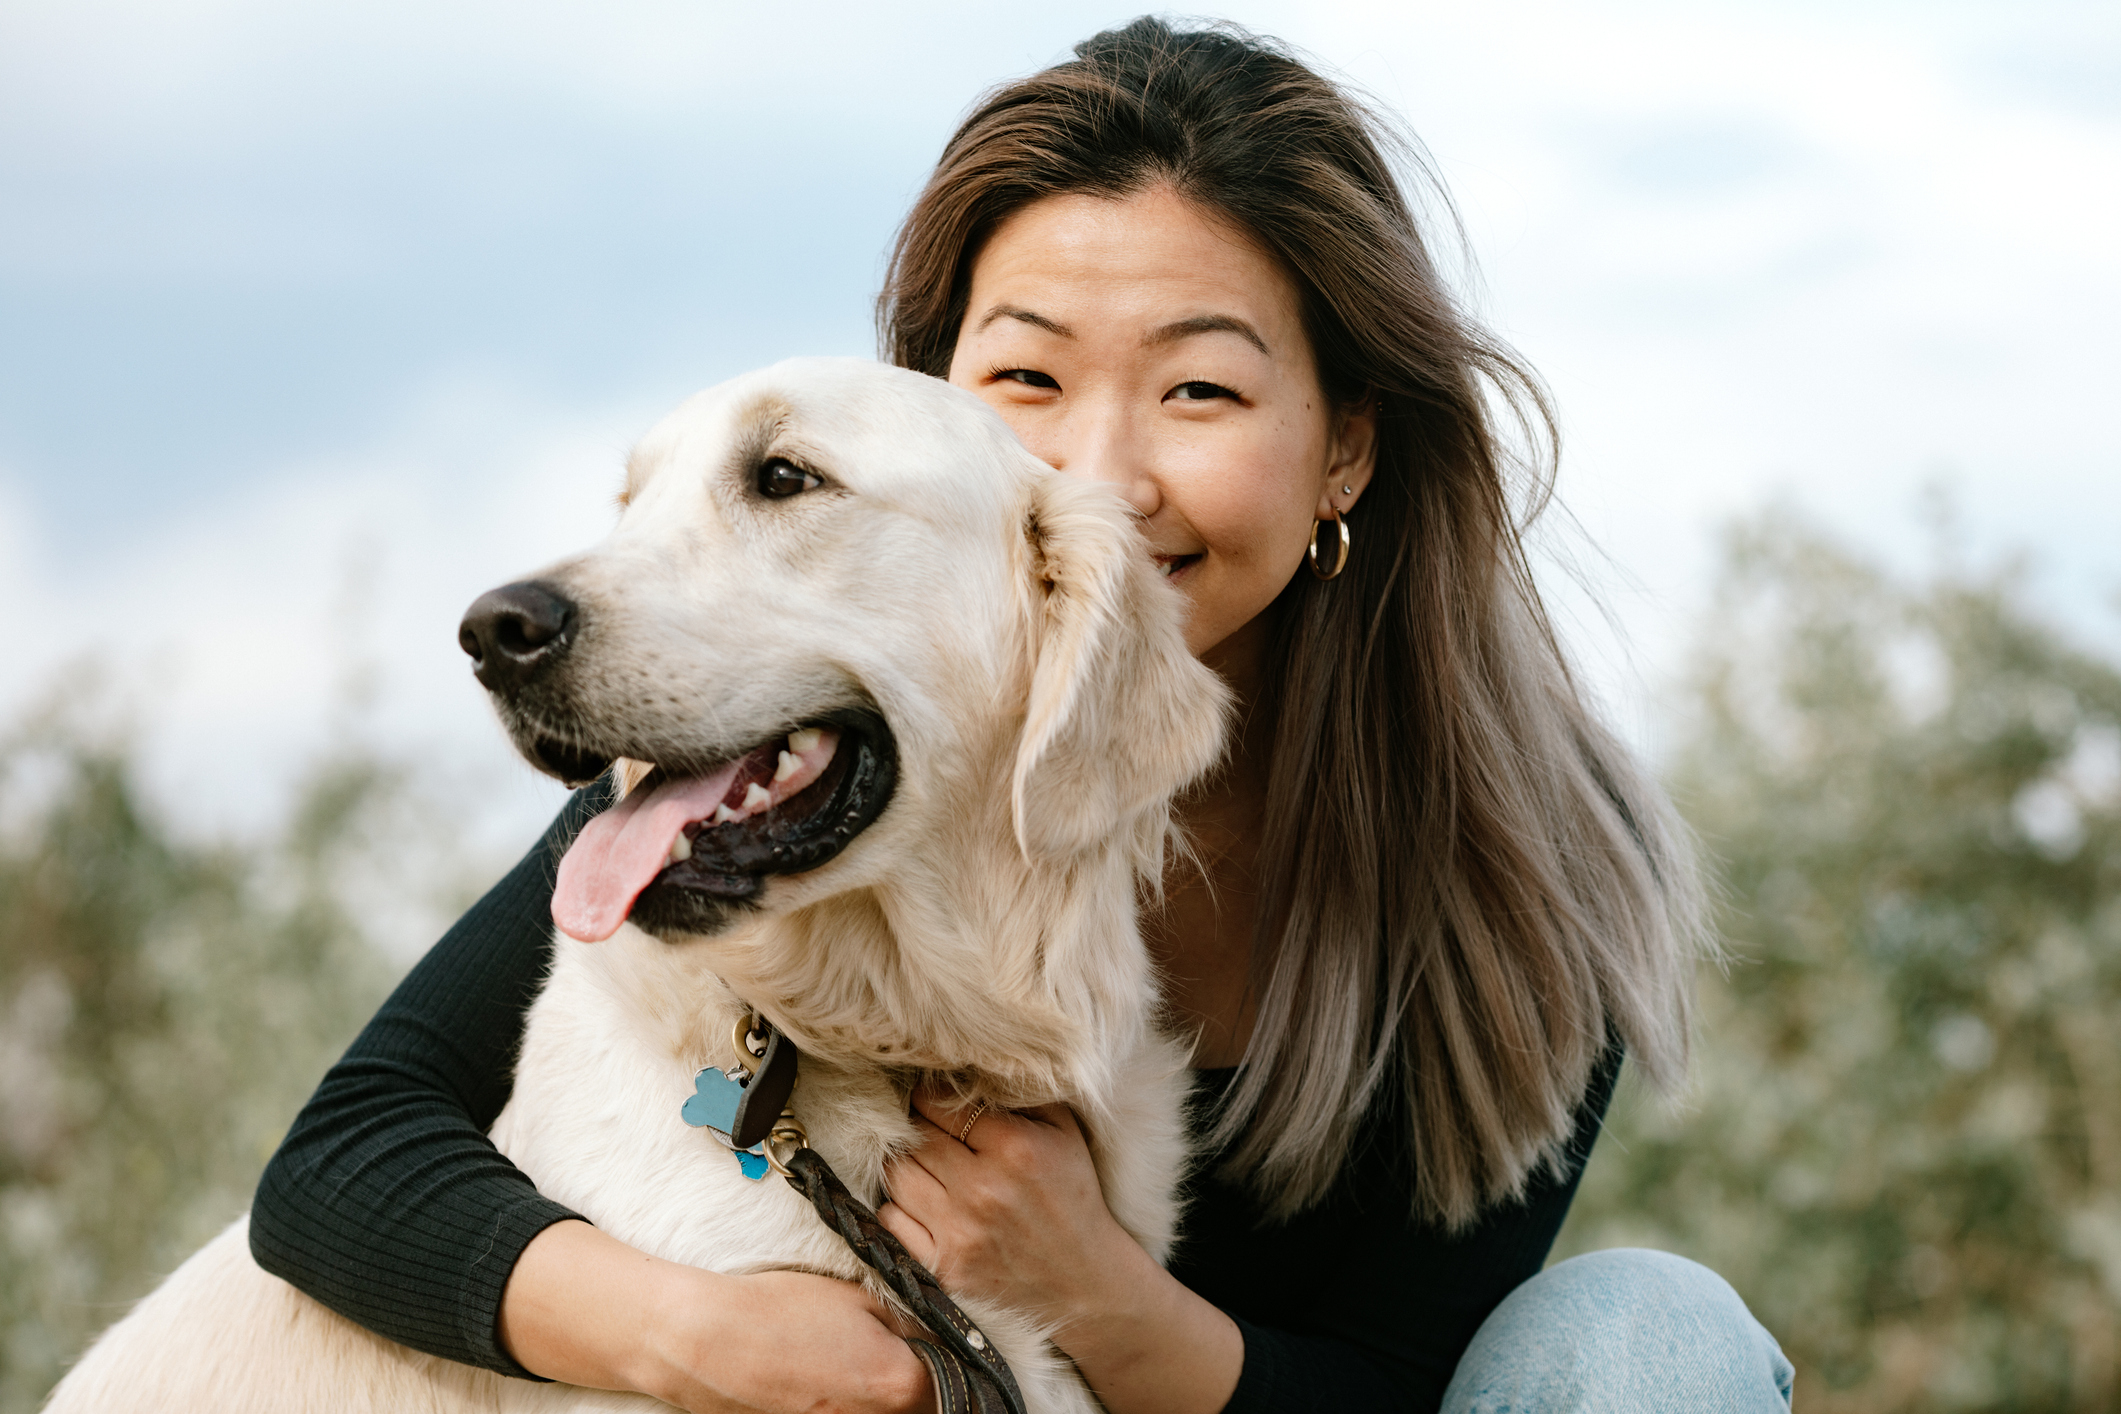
(609, 1054)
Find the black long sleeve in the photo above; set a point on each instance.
(388, 1204)
(386, 1201)
(1355, 1304)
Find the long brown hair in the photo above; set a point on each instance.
(1469, 890)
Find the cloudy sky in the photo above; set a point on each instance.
(317, 319)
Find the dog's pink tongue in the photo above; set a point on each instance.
(620, 852)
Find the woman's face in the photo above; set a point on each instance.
(1144, 343)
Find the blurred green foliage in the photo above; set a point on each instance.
(165, 1008)
(1904, 1142)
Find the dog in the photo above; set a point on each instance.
(902, 713)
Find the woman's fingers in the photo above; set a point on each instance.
(967, 1120)
(915, 1202)
(942, 1194)
(953, 1115)
(1059, 1116)
(912, 1234)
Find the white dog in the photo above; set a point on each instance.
(904, 712)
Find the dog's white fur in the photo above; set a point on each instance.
(1009, 626)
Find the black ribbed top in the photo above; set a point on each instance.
(388, 1204)
(1354, 1305)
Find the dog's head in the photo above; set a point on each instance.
(843, 607)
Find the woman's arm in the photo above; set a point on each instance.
(585, 1308)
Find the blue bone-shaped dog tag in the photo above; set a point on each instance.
(712, 1107)
(712, 1104)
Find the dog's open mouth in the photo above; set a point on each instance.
(680, 849)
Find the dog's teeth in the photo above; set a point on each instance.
(790, 764)
(723, 814)
(756, 797)
(804, 742)
(680, 849)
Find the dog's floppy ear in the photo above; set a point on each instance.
(1121, 716)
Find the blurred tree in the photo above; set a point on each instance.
(1904, 1147)
(165, 1008)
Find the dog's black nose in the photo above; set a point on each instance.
(513, 631)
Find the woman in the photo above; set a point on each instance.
(1434, 899)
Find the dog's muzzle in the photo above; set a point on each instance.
(720, 825)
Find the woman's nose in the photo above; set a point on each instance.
(1105, 449)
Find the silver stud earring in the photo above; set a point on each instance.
(1347, 490)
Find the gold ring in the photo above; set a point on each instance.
(977, 1110)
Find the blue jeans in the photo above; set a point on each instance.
(1622, 1332)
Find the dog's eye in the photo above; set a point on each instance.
(780, 478)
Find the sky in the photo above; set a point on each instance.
(318, 320)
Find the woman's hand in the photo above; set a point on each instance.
(1012, 1212)
(585, 1308)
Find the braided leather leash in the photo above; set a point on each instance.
(969, 1373)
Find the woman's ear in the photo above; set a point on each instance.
(1121, 716)
(1352, 459)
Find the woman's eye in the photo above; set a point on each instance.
(1199, 391)
(1029, 377)
(780, 478)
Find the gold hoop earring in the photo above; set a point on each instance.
(1340, 559)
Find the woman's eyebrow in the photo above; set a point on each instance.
(1207, 324)
(1018, 312)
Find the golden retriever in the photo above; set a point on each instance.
(903, 712)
